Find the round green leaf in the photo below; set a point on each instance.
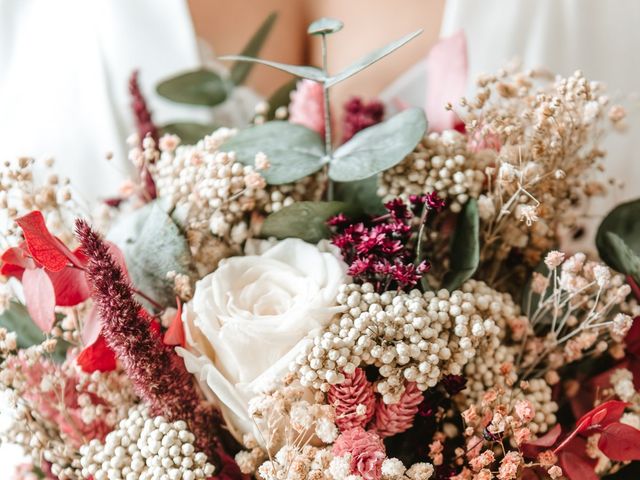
(363, 193)
(199, 87)
(623, 221)
(465, 247)
(189, 132)
(325, 26)
(294, 151)
(304, 220)
(379, 147)
(240, 70)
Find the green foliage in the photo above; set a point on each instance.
(153, 245)
(293, 150)
(618, 239)
(198, 87)
(325, 26)
(304, 220)
(379, 147)
(465, 247)
(16, 319)
(312, 73)
(370, 59)
(363, 193)
(240, 70)
(189, 132)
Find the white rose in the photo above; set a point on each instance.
(247, 320)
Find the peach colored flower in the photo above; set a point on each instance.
(485, 459)
(307, 106)
(524, 410)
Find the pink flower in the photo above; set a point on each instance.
(351, 396)
(366, 449)
(525, 411)
(307, 106)
(509, 466)
(395, 418)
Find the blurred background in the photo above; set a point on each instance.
(65, 66)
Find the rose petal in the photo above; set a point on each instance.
(97, 357)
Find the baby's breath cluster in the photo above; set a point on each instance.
(440, 163)
(145, 448)
(417, 337)
(216, 196)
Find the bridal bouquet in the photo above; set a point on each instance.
(270, 303)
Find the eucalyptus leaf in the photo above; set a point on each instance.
(379, 147)
(198, 87)
(304, 220)
(294, 151)
(623, 259)
(363, 193)
(153, 245)
(189, 132)
(312, 73)
(370, 59)
(281, 97)
(16, 319)
(240, 70)
(325, 26)
(465, 247)
(624, 221)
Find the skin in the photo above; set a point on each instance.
(369, 24)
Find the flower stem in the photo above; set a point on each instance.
(328, 147)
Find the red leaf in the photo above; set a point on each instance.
(175, 333)
(635, 288)
(533, 448)
(46, 249)
(596, 419)
(14, 262)
(97, 357)
(620, 442)
(70, 285)
(447, 74)
(575, 463)
(91, 327)
(40, 298)
(632, 340)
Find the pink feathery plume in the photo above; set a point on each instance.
(144, 122)
(391, 419)
(156, 372)
(355, 393)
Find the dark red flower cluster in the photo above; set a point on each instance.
(383, 250)
(359, 115)
(144, 122)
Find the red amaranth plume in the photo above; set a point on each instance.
(347, 396)
(398, 417)
(144, 122)
(156, 372)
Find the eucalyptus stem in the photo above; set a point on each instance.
(328, 147)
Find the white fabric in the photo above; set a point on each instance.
(597, 36)
(64, 69)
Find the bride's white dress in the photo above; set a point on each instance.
(64, 67)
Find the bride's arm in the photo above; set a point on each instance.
(228, 25)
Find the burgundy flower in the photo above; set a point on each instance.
(359, 115)
(454, 384)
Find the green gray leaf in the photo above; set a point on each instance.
(16, 319)
(370, 59)
(153, 245)
(379, 147)
(198, 87)
(312, 73)
(304, 220)
(325, 26)
(363, 193)
(465, 247)
(240, 70)
(624, 221)
(189, 132)
(623, 259)
(294, 151)
(281, 97)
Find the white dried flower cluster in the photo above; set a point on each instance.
(8, 342)
(442, 163)
(408, 336)
(283, 417)
(622, 381)
(145, 448)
